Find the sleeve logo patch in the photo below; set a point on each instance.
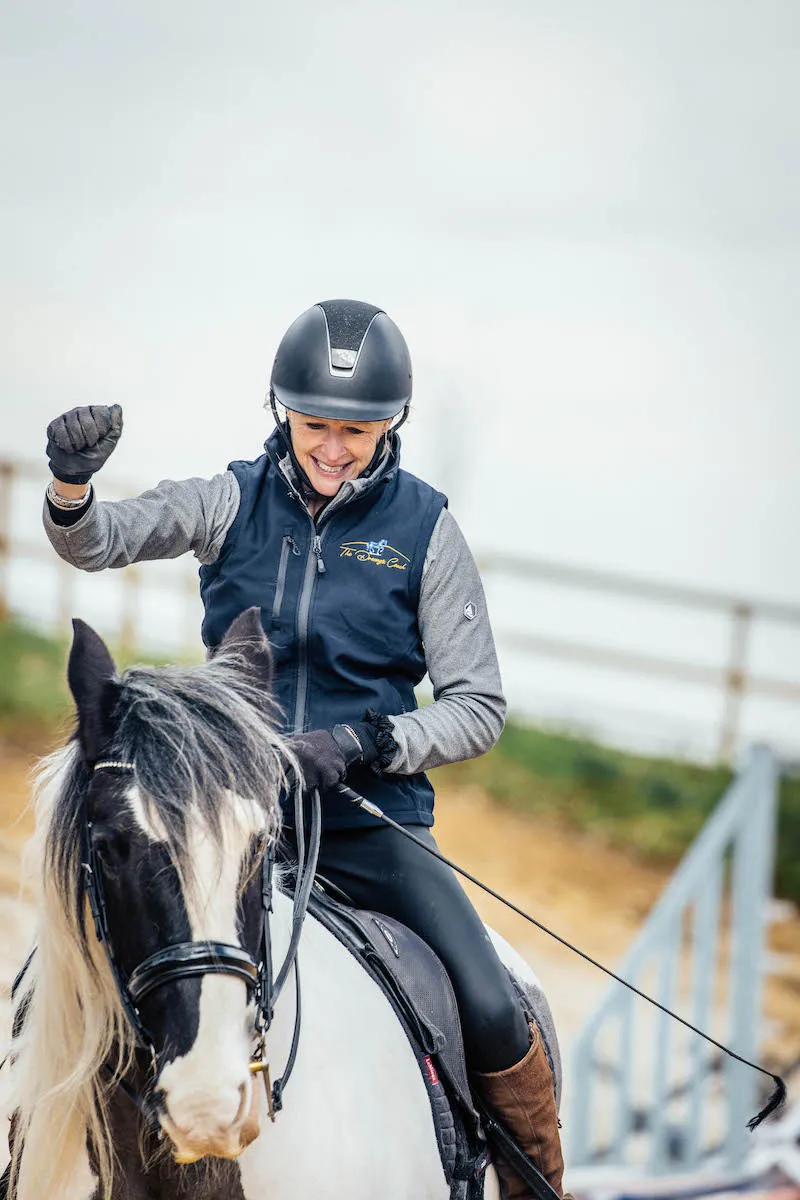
(470, 611)
(380, 553)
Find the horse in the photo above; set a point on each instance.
(160, 868)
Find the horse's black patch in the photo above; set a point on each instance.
(146, 911)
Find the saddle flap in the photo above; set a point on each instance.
(413, 977)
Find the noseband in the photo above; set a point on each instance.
(192, 960)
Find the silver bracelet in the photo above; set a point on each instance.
(64, 502)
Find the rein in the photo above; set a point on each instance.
(186, 960)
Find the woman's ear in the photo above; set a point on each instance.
(90, 674)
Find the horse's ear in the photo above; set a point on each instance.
(245, 636)
(89, 674)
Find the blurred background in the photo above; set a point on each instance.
(585, 219)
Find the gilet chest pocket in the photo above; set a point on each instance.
(288, 547)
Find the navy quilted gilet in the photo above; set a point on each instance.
(339, 603)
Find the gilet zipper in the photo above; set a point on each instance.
(314, 567)
(288, 544)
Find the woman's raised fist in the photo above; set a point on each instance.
(81, 440)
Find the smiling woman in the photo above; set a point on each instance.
(364, 582)
(332, 451)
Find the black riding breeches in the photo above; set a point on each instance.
(380, 869)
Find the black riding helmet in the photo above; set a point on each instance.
(342, 360)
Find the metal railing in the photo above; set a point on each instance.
(732, 677)
(647, 1093)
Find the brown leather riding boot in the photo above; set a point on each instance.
(524, 1100)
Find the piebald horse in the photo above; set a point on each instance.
(177, 843)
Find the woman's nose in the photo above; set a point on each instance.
(334, 447)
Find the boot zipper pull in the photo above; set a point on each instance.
(317, 547)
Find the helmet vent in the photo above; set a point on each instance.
(348, 322)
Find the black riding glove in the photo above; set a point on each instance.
(81, 440)
(326, 755)
(322, 764)
(367, 743)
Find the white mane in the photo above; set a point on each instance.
(72, 1023)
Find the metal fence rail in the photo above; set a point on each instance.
(732, 677)
(645, 1091)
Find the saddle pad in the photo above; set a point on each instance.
(413, 976)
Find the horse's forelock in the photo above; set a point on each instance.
(196, 734)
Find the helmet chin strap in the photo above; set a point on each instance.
(305, 483)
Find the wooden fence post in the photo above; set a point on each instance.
(6, 487)
(128, 639)
(735, 681)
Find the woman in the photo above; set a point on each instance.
(365, 582)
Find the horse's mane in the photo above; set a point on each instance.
(195, 734)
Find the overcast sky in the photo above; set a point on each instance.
(583, 215)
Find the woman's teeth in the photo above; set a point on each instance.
(326, 470)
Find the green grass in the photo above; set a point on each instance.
(652, 806)
(35, 702)
(33, 690)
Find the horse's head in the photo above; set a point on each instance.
(184, 770)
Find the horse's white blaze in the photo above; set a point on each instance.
(149, 822)
(207, 1091)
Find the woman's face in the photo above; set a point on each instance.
(332, 451)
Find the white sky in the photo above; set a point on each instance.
(584, 216)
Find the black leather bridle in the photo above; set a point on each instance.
(187, 960)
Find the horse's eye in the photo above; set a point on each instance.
(112, 849)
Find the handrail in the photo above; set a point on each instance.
(661, 1101)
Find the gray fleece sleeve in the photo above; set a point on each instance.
(468, 710)
(168, 520)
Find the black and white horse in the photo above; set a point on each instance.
(171, 852)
